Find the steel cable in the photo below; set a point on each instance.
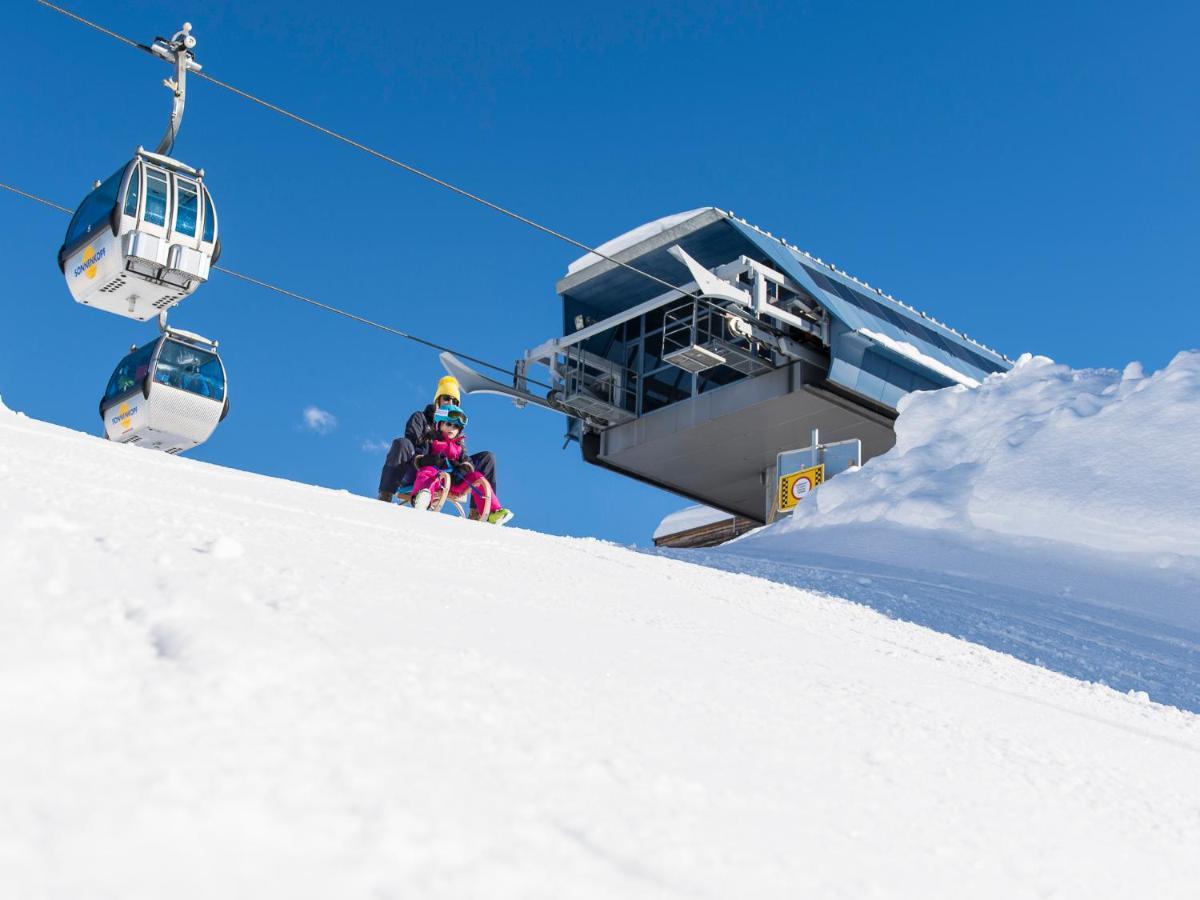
(312, 302)
(462, 192)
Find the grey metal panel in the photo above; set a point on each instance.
(715, 447)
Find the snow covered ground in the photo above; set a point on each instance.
(1052, 513)
(218, 684)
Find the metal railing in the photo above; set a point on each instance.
(596, 387)
(699, 335)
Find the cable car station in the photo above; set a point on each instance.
(696, 390)
(694, 350)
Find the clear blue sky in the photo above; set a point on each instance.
(1027, 172)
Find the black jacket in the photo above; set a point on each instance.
(419, 429)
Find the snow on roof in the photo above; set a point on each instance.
(907, 350)
(689, 518)
(877, 291)
(658, 226)
(633, 236)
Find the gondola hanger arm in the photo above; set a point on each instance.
(178, 51)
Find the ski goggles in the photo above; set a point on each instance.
(451, 415)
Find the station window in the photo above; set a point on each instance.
(664, 387)
(654, 320)
(716, 377)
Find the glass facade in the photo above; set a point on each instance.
(635, 351)
(889, 314)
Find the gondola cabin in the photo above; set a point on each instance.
(143, 239)
(168, 395)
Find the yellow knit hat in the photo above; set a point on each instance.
(448, 387)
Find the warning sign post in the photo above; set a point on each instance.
(795, 486)
(797, 473)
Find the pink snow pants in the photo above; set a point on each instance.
(427, 475)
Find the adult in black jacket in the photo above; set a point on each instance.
(398, 468)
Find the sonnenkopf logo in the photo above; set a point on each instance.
(87, 266)
(124, 416)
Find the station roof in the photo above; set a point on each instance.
(881, 347)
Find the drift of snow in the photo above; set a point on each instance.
(1094, 457)
(216, 684)
(1050, 513)
(633, 236)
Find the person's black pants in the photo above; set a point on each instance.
(398, 467)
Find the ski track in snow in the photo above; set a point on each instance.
(214, 683)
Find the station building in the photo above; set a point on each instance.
(696, 388)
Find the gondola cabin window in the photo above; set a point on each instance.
(131, 195)
(210, 219)
(190, 369)
(156, 196)
(94, 212)
(187, 206)
(130, 372)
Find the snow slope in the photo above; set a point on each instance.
(218, 684)
(1051, 513)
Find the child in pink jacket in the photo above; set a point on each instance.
(448, 453)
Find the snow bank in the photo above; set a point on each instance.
(1104, 459)
(1050, 513)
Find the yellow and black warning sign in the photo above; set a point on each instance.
(795, 486)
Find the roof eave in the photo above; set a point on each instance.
(649, 245)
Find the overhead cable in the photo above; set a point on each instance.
(313, 302)
(358, 145)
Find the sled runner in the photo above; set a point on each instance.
(441, 493)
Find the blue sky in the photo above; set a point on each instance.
(1025, 172)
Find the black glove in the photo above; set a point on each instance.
(463, 468)
(430, 459)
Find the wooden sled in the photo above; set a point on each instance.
(440, 494)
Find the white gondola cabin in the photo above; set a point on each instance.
(168, 395)
(143, 239)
